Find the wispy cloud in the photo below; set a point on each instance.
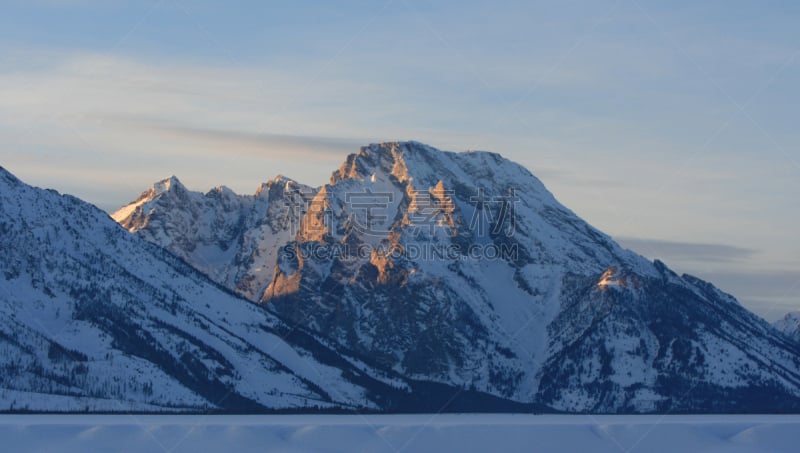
(769, 293)
(686, 251)
(573, 178)
(245, 142)
(86, 86)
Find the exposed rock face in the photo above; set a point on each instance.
(231, 238)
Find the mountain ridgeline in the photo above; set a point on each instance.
(415, 280)
(461, 268)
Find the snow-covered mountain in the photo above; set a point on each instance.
(463, 269)
(95, 318)
(790, 325)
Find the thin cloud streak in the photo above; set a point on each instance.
(687, 251)
(258, 144)
(770, 294)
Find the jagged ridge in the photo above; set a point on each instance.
(559, 313)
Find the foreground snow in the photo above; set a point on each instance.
(392, 433)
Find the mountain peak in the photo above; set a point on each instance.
(279, 183)
(221, 191)
(790, 325)
(165, 185)
(425, 166)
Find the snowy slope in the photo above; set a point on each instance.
(95, 318)
(463, 269)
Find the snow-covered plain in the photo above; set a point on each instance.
(393, 433)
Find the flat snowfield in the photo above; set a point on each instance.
(393, 433)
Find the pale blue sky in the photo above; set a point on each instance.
(669, 124)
